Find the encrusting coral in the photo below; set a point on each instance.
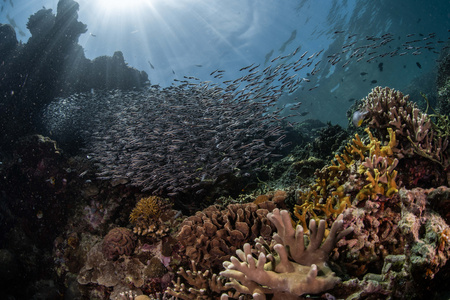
(404, 246)
(293, 269)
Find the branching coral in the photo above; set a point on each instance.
(294, 269)
(146, 208)
(199, 285)
(336, 184)
(388, 108)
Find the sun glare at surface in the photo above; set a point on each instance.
(121, 6)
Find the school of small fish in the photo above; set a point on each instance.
(173, 139)
(170, 140)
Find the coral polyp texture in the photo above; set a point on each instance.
(118, 241)
(286, 269)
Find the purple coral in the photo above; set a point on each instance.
(118, 241)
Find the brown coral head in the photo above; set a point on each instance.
(261, 199)
(278, 198)
(118, 241)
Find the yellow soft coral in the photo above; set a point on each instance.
(146, 208)
(328, 197)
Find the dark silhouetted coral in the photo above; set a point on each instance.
(8, 42)
(443, 82)
(51, 64)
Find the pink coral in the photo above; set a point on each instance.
(118, 241)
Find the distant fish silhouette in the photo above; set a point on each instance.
(93, 35)
(11, 21)
(150, 64)
(419, 65)
(380, 67)
(291, 38)
(268, 55)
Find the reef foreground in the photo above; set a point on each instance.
(373, 223)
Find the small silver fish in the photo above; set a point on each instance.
(358, 117)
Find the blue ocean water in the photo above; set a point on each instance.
(173, 39)
(202, 103)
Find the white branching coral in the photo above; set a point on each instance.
(293, 268)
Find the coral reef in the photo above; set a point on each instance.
(403, 247)
(153, 217)
(338, 183)
(388, 108)
(213, 235)
(375, 235)
(443, 82)
(293, 269)
(118, 241)
(130, 274)
(199, 285)
(426, 232)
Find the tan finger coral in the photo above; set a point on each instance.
(294, 269)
